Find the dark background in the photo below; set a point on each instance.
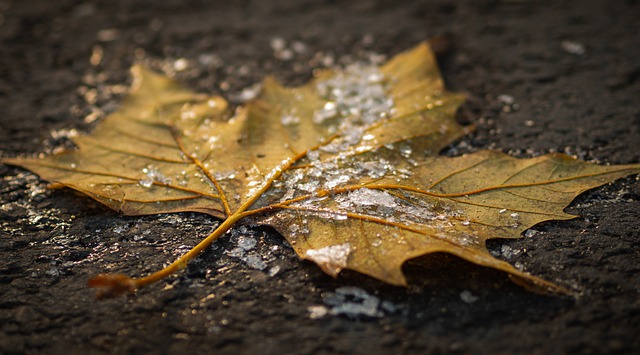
(541, 76)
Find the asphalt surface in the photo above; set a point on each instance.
(541, 76)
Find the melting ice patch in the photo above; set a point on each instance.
(358, 96)
(336, 181)
(244, 250)
(369, 201)
(365, 198)
(358, 92)
(375, 168)
(333, 255)
(353, 302)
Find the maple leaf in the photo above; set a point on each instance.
(345, 168)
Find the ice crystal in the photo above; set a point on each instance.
(246, 242)
(353, 302)
(153, 175)
(468, 297)
(573, 47)
(358, 96)
(336, 255)
(316, 312)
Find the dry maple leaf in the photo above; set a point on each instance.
(345, 168)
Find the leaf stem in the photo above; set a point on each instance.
(181, 262)
(111, 285)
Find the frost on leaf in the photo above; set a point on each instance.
(346, 168)
(331, 259)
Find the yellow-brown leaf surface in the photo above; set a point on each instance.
(345, 168)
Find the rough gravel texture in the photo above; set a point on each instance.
(541, 76)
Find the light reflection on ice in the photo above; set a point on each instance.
(334, 255)
(247, 250)
(153, 174)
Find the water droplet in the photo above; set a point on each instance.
(317, 312)
(288, 120)
(180, 64)
(146, 182)
(506, 251)
(405, 151)
(506, 99)
(153, 175)
(273, 271)
(518, 265)
(298, 47)
(248, 93)
(277, 43)
(573, 47)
